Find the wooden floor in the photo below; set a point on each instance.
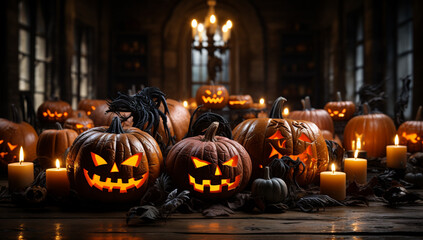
(375, 221)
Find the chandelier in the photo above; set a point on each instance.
(209, 36)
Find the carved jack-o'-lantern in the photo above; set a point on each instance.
(53, 111)
(240, 101)
(411, 133)
(90, 105)
(340, 110)
(212, 96)
(268, 138)
(79, 124)
(13, 135)
(113, 164)
(209, 166)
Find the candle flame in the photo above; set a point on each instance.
(185, 103)
(261, 101)
(224, 28)
(333, 168)
(194, 23)
(356, 154)
(396, 140)
(358, 143)
(57, 163)
(229, 24)
(21, 155)
(200, 27)
(286, 111)
(212, 19)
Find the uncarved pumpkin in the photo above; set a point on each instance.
(14, 135)
(410, 133)
(113, 164)
(376, 130)
(177, 121)
(209, 166)
(340, 110)
(268, 138)
(318, 116)
(212, 96)
(271, 190)
(101, 118)
(53, 143)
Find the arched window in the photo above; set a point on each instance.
(199, 61)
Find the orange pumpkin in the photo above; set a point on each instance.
(89, 105)
(268, 138)
(79, 124)
(177, 121)
(14, 135)
(53, 143)
(240, 101)
(101, 118)
(52, 111)
(340, 110)
(212, 96)
(410, 133)
(376, 130)
(318, 116)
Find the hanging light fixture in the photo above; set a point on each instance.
(206, 32)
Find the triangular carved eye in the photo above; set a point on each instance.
(1, 141)
(233, 162)
(133, 161)
(208, 92)
(198, 162)
(97, 160)
(276, 135)
(11, 147)
(304, 138)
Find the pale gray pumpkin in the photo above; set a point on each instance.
(272, 190)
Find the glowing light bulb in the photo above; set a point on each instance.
(261, 101)
(194, 23)
(225, 28)
(200, 27)
(285, 111)
(212, 19)
(229, 24)
(185, 103)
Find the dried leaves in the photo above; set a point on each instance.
(314, 203)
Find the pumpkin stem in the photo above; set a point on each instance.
(419, 114)
(210, 134)
(115, 126)
(366, 109)
(16, 117)
(266, 173)
(307, 104)
(59, 126)
(338, 96)
(277, 108)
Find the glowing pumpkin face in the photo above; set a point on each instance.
(212, 96)
(216, 183)
(268, 138)
(340, 110)
(90, 105)
(13, 135)
(240, 101)
(54, 111)
(210, 166)
(411, 133)
(113, 180)
(79, 124)
(113, 164)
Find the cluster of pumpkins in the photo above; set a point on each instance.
(117, 163)
(217, 97)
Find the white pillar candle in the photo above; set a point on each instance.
(20, 174)
(57, 182)
(396, 155)
(356, 169)
(333, 184)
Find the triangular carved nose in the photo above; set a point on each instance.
(114, 168)
(218, 172)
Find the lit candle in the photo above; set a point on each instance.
(57, 182)
(200, 29)
(396, 155)
(333, 184)
(225, 32)
(285, 112)
(356, 169)
(20, 174)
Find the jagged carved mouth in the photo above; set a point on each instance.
(119, 185)
(214, 188)
(237, 102)
(212, 100)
